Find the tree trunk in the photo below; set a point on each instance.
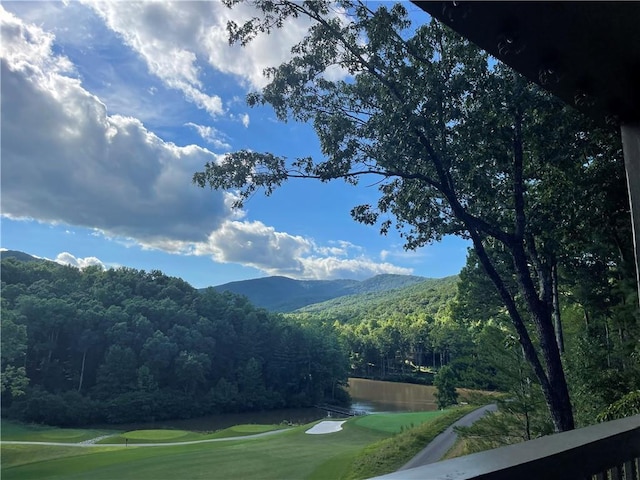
(552, 381)
(586, 319)
(84, 357)
(556, 391)
(606, 333)
(557, 321)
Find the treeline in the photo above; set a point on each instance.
(461, 323)
(122, 345)
(410, 335)
(390, 335)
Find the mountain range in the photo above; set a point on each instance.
(282, 294)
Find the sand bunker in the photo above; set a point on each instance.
(325, 427)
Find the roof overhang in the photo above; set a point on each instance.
(586, 53)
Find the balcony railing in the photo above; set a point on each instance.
(608, 450)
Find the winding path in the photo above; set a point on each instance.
(439, 446)
(91, 443)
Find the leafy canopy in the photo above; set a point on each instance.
(460, 145)
(401, 103)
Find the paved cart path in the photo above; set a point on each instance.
(91, 443)
(440, 445)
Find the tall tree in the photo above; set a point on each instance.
(457, 142)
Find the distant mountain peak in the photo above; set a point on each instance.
(22, 256)
(284, 294)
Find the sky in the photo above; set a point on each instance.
(107, 111)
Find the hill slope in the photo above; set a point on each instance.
(284, 294)
(426, 296)
(23, 257)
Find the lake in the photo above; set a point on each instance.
(373, 396)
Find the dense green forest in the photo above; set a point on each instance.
(122, 345)
(458, 144)
(84, 346)
(390, 334)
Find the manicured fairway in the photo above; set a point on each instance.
(42, 433)
(289, 455)
(396, 422)
(172, 436)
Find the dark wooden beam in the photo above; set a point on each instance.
(586, 53)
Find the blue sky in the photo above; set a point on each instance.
(107, 111)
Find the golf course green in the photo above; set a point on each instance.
(289, 453)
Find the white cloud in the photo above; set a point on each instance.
(340, 248)
(257, 245)
(65, 258)
(165, 35)
(411, 256)
(65, 160)
(278, 253)
(178, 40)
(210, 135)
(358, 268)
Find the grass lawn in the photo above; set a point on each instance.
(288, 455)
(389, 454)
(170, 436)
(396, 422)
(43, 433)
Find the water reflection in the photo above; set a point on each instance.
(211, 423)
(371, 396)
(374, 396)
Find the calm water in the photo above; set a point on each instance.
(371, 396)
(375, 396)
(211, 423)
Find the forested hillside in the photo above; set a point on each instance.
(460, 323)
(24, 257)
(81, 346)
(394, 335)
(428, 295)
(282, 294)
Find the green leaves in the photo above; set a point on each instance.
(125, 345)
(461, 145)
(445, 383)
(392, 116)
(245, 171)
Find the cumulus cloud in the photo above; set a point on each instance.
(257, 245)
(278, 253)
(339, 248)
(177, 40)
(65, 258)
(65, 160)
(359, 268)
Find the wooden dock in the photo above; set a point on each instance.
(347, 412)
